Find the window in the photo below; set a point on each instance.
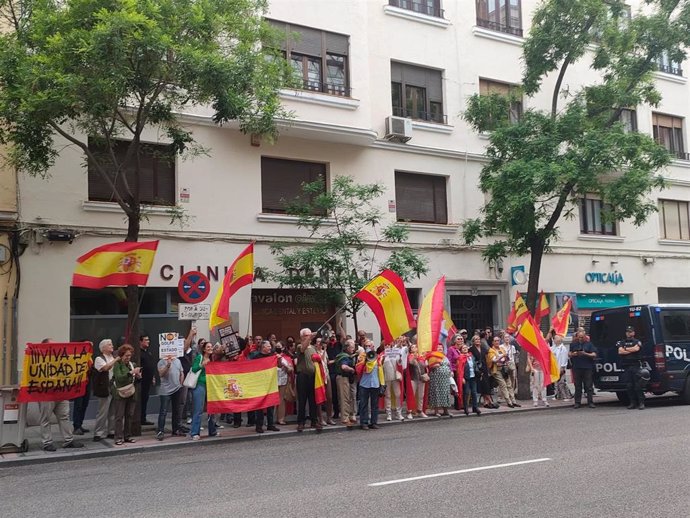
(281, 182)
(500, 15)
(668, 131)
(592, 219)
(487, 87)
(668, 66)
(421, 198)
(629, 120)
(319, 58)
(673, 216)
(417, 93)
(156, 179)
(428, 7)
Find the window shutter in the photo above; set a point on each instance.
(281, 181)
(306, 41)
(337, 43)
(420, 198)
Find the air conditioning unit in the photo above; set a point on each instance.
(398, 129)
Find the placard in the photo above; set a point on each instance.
(228, 338)
(170, 344)
(193, 311)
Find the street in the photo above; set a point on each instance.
(607, 461)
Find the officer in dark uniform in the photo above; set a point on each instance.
(630, 351)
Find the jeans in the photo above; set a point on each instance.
(368, 402)
(198, 401)
(79, 409)
(469, 393)
(174, 399)
(145, 391)
(583, 377)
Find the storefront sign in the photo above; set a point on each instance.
(289, 302)
(193, 311)
(604, 277)
(611, 300)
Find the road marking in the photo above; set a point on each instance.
(458, 472)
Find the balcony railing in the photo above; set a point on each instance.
(680, 155)
(327, 88)
(418, 7)
(670, 69)
(499, 27)
(417, 115)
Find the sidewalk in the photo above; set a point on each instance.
(147, 440)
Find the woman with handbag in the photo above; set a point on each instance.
(497, 360)
(439, 382)
(124, 374)
(198, 371)
(418, 377)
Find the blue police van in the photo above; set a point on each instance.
(663, 329)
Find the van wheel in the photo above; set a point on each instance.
(623, 397)
(685, 395)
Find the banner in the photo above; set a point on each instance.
(242, 386)
(55, 371)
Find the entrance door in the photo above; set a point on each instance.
(472, 313)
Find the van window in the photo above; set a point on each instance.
(675, 324)
(608, 327)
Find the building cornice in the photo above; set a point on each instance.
(497, 36)
(430, 151)
(334, 101)
(416, 17)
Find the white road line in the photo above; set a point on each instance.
(458, 472)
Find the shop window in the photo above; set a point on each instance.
(592, 217)
(500, 15)
(674, 220)
(417, 92)
(282, 181)
(428, 7)
(421, 198)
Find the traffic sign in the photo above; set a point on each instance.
(194, 287)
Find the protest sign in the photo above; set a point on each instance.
(228, 338)
(170, 344)
(55, 371)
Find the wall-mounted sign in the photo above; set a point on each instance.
(517, 275)
(194, 311)
(614, 277)
(606, 300)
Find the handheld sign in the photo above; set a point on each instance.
(170, 344)
(194, 287)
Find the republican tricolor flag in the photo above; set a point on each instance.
(242, 386)
(240, 274)
(116, 264)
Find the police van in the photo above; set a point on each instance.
(663, 329)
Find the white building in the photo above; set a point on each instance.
(418, 60)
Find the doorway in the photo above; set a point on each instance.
(472, 312)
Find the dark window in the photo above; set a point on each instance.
(282, 180)
(156, 179)
(319, 58)
(487, 87)
(592, 220)
(428, 7)
(629, 120)
(668, 66)
(417, 92)
(500, 15)
(668, 131)
(674, 220)
(420, 198)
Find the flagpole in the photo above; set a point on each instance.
(337, 311)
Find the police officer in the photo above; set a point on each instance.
(630, 351)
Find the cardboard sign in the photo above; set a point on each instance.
(170, 344)
(228, 338)
(194, 311)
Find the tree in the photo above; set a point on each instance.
(345, 234)
(539, 166)
(98, 73)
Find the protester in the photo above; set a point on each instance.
(265, 351)
(103, 367)
(469, 385)
(79, 406)
(439, 382)
(392, 375)
(511, 362)
(582, 355)
(172, 376)
(560, 351)
(199, 394)
(333, 348)
(323, 354)
(371, 382)
(484, 382)
(418, 377)
(125, 373)
(536, 381)
(344, 368)
(148, 376)
(286, 368)
(190, 351)
(497, 360)
(453, 354)
(306, 372)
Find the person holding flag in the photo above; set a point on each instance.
(265, 351)
(371, 383)
(305, 370)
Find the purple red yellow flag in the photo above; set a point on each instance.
(562, 318)
(386, 297)
(242, 386)
(543, 307)
(430, 317)
(116, 264)
(530, 338)
(240, 273)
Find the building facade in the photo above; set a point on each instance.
(384, 86)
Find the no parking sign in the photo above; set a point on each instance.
(194, 287)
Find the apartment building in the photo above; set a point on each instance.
(384, 85)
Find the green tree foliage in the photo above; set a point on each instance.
(346, 234)
(99, 72)
(540, 166)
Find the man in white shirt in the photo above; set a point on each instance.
(103, 365)
(560, 351)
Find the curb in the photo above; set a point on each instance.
(112, 452)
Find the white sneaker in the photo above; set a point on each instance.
(410, 416)
(546, 404)
(399, 416)
(536, 404)
(389, 418)
(423, 415)
(195, 437)
(189, 420)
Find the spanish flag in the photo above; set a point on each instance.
(448, 329)
(242, 386)
(430, 317)
(116, 264)
(542, 307)
(530, 338)
(319, 385)
(240, 274)
(386, 297)
(562, 319)
(518, 313)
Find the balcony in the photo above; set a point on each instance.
(499, 27)
(670, 69)
(680, 155)
(419, 7)
(439, 118)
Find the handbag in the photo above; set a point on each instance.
(290, 395)
(128, 390)
(191, 379)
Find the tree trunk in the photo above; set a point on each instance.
(132, 334)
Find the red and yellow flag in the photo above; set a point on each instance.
(242, 386)
(562, 319)
(240, 274)
(543, 307)
(530, 338)
(430, 317)
(386, 297)
(116, 264)
(319, 385)
(518, 313)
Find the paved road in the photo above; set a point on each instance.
(604, 462)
